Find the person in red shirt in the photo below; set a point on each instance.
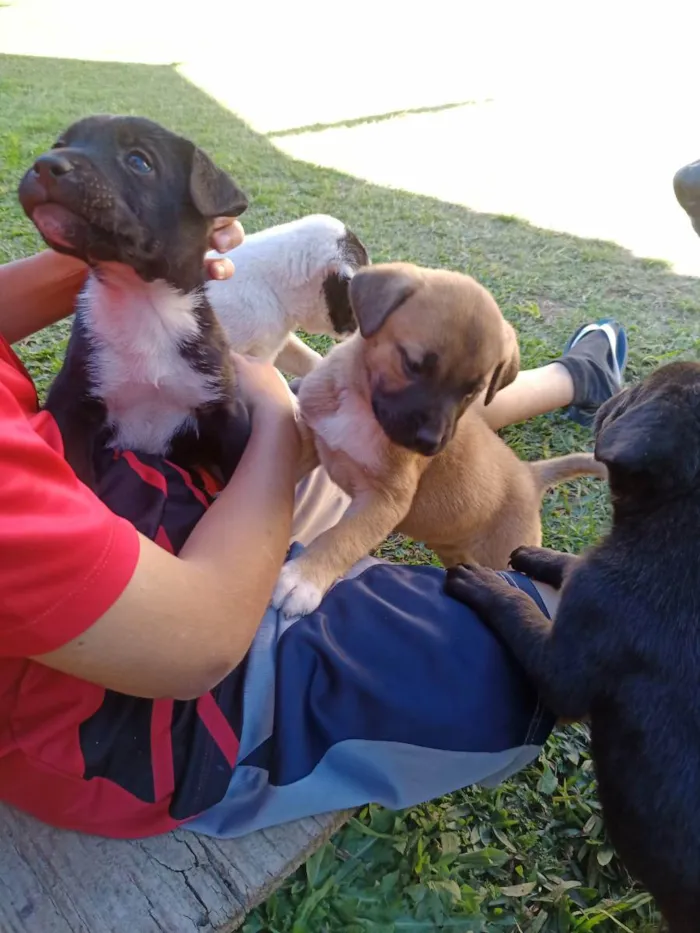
(131, 700)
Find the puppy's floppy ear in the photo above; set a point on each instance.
(213, 192)
(376, 292)
(657, 439)
(509, 367)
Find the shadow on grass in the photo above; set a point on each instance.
(547, 284)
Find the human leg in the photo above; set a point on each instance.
(318, 505)
(586, 375)
(534, 392)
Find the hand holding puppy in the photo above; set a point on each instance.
(263, 388)
(226, 233)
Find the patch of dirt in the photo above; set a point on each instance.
(552, 310)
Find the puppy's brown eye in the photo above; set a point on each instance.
(59, 144)
(138, 162)
(410, 366)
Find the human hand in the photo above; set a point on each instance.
(263, 388)
(226, 233)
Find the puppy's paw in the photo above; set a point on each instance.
(527, 559)
(542, 564)
(475, 586)
(296, 594)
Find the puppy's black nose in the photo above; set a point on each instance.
(52, 165)
(686, 184)
(428, 440)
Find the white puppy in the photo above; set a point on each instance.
(289, 277)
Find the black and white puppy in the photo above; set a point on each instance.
(624, 649)
(147, 360)
(289, 277)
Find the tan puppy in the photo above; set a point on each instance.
(389, 411)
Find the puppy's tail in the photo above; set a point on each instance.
(551, 472)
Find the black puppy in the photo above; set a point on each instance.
(625, 647)
(147, 367)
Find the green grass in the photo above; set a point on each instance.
(530, 855)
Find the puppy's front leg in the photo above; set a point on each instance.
(370, 517)
(296, 358)
(557, 660)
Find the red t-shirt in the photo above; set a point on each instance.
(72, 753)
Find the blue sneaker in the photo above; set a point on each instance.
(595, 357)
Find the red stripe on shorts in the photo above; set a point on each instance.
(197, 493)
(148, 474)
(162, 540)
(218, 727)
(162, 749)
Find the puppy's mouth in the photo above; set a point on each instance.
(408, 433)
(64, 211)
(59, 226)
(428, 447)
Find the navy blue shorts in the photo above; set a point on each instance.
(391, 692)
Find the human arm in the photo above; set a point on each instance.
(38, 291)
(180, 624)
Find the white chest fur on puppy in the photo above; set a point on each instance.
(350, 444)
(137, 331)
(351, 429)
(289, 277)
